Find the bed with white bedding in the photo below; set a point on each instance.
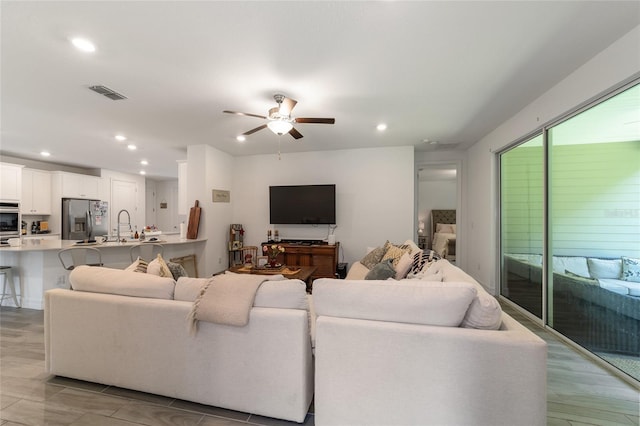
(443, 231)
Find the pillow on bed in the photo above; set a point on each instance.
(446, 228)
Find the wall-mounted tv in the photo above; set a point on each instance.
(302, 204)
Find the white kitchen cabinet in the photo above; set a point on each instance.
(80, 186)
(36, 192)
(10, 182)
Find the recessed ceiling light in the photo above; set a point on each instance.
(241, 138)
(144, 162)
(142, 172)
(45, 153)
(132, 147)
(381, 127)
(83, 44)
(121, 138)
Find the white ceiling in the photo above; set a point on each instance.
(444, 71)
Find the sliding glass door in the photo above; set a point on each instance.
(594, 229)
(522, 214)
(588, 168)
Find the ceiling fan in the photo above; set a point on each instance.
(280, 120)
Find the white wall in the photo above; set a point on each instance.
(209, 168)
(615, 64)
(374, 195)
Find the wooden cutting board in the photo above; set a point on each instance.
(194, 222)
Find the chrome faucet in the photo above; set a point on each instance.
(127, 223)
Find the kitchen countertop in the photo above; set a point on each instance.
(34, 244)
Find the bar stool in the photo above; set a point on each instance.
(7, 275)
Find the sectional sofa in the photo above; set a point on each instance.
(592, 302)
(408, 352)
(130, 330)
(416, 352)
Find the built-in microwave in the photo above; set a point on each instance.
(9, 220)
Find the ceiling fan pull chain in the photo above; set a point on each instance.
(279, 140)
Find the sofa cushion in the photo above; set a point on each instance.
(357, 271)
(276, 292)
(604, 268)
(485, 312)
(125, 283)
(188, 289)
(381, 271)
(406, 301)
(575, 264)
(630, 269)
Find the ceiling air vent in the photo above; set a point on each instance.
(105, 91)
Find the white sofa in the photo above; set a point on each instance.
(410, 353)
(127, 329)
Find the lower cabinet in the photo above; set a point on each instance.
(323, 256)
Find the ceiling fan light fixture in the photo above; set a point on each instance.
(279, 127)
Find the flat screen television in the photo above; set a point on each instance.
(302, 204)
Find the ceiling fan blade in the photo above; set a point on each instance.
(287, 106)
(296, 134)
(245, 113)
(315, 120)
(254, 130)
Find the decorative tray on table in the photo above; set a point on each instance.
(268, 268)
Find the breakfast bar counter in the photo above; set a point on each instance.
(38, 269)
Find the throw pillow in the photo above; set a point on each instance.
(403, 266)
(422, 260)
(374, 256)
(604, 268)
(382, 271)
(630, 269)
(159, 267)
(177, 270)
(395, 253)
(140, 265)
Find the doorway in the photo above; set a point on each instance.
(438, 187)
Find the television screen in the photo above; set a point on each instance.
(302, 204)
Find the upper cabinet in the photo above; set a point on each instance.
(73, 185)
(36, 192)
(10, 182)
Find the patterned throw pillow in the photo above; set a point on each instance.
(630, 269)
(382, 271)
(177, 270)
(159, 267)
(422, 260)
(395, 253)
(374, 256)
(140, 265)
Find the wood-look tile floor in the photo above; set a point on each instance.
(579, 391)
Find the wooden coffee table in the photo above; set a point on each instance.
(302, 273)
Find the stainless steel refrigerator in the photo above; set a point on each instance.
(84, 219)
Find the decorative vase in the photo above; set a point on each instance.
(273, 263)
